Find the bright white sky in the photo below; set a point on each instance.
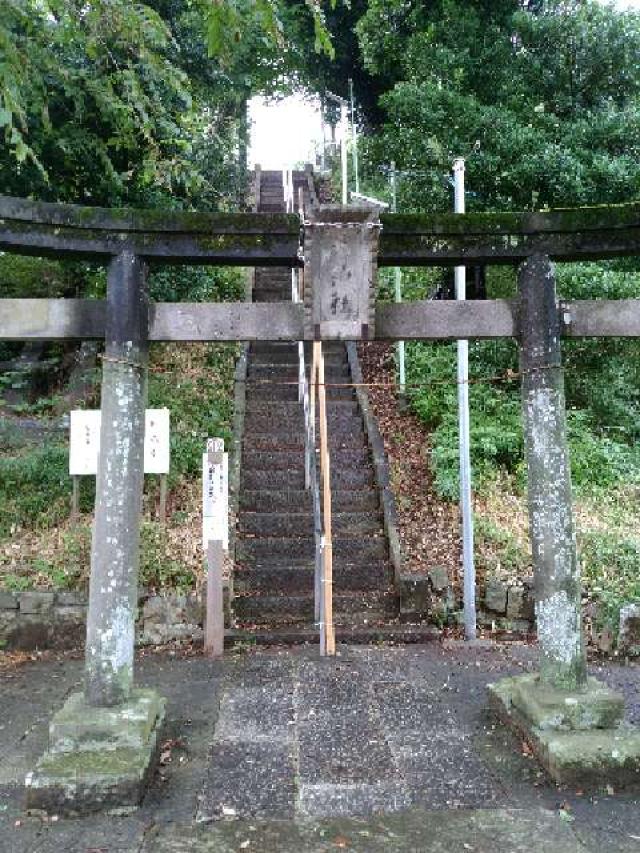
(285, 133)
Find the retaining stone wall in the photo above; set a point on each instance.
(57, 620)
(501, 605)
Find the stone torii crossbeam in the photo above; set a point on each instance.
(103, 742)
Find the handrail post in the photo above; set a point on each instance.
(315, 496)
(327, 631)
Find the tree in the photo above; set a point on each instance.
(232, 22)
(552, 129)
(91, 105)
(115, 102)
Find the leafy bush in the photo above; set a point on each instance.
(610, 571)
(196, 284)
(200, 398)
(158, 570)
(34, 488)
(498, 551)
(602, 386)
(599, 460)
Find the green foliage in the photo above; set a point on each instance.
(14, 582)
(551, 98)
(196, 284)
(498, 550)
(157, 570)
(34, 489)
(92, 96)
(611, 571)
(201, 403)
(22, 276)
(117, 103)
(235, 24)
(602, 382)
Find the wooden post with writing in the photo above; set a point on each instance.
(214, 540)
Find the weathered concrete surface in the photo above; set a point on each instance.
(499, 831)
(62, 624)
(340, 272)
(426, 705)
(596, 707)
(578, 737)
(28, 697)
(98, 758)
(79, 727)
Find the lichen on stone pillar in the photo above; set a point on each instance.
(556, 568)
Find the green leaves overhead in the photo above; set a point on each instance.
(231, 22)
(550, 90)
(90, 99)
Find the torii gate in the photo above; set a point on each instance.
(102, 743)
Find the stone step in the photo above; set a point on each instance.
(274, 275)
(276, 284)
(299, 578)
(294, 479)
(287, 440)
(359, 550)
(256, 460)
(280, 346)
(289, 359)
(301, 523)
(271, 296)
(356, 607)
(277, 422)
(271, 389)
(286, 408)
(289, 372)
(266, 500)
(392, 632)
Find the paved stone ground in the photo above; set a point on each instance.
(377, 749)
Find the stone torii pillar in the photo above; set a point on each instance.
(103, 742)
(113, 590)
(553, 542)
(572, 721)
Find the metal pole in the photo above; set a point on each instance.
(344, 121)
(354, 136)
(468, 566)
(398, 280)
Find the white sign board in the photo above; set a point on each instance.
(215, 494)
(156, 441)
(84, 442)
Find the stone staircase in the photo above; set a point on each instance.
(274, 573)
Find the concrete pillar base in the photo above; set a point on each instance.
(98, 758)
(577, 735)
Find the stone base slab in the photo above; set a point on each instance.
(105, 764)
(78, 727)
(585, 758)
(550, 709)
